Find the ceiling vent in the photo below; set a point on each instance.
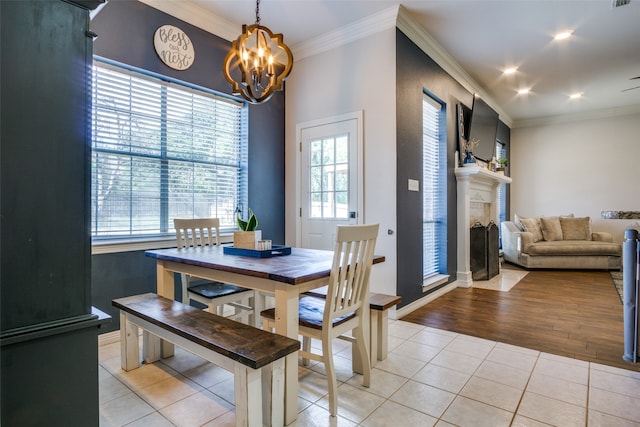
(619, 3)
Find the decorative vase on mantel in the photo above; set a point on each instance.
(468, 160)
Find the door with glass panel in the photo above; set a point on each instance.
(329, 181)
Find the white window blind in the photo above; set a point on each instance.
(160, 151)
(501, 153)
(433, 190)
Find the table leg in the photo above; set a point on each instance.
(287, 325)
(165, 288)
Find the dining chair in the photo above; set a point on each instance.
(215, 295)
(344, 308)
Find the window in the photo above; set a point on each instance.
(501, 153)
(329, 171)
(434, 227)
(162, 150)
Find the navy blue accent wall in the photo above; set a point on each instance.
(416, 73)
(125, 34)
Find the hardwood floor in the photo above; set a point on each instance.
(570, 313)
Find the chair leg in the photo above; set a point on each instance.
(246, 315)
(306, 346)
(267, 325)
(327, 356)
(184, 281)
(364, 356)
(258, 304)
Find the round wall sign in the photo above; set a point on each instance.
(174, 47)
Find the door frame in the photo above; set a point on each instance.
(358, 116)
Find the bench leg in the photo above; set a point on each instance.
(248, 396)
(129, 345)
(273, 393)
(375, 336)
(151, 347)
(383, 334)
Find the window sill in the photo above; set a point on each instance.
(434, 281)
(143, 244)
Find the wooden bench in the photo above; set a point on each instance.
(379, 304)
(254, 356)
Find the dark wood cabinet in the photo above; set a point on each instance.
(48, 327)
(46, 245)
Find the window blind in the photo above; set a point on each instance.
(501, 153)
(162, 151)
(433, 190)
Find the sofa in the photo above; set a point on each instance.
(561, 242)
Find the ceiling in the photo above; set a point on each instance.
(486, 36)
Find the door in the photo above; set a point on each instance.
(330, 178)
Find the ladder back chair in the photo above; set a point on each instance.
(344, 308)
(215, 295)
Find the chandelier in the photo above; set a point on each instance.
(258, 62)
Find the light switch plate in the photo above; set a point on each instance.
(414, 185)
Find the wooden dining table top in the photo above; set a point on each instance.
(302, 265)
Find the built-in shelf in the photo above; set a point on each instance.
(621, 214)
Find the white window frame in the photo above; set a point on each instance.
(214, 155)
(434, 192)
(501, 153)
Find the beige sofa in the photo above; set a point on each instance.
(558, 242)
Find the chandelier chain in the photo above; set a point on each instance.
(258, 12)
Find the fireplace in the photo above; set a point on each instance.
(477, 203)
(484, 259)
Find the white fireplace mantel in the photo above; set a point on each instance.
(477, 185)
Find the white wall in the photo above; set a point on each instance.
(357, 76)
(581, 167)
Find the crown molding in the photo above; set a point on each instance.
(373, 24)
(578, 117)
(396, 16)
(431, 47)
(197, 16)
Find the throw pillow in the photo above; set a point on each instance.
(576, 228)
(532, 225)
(551, 229)
(517, 220)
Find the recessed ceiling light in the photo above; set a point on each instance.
(523, 91)
(563, 35)
(510, 70)
(576, 95)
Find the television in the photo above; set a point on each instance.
(483, 126)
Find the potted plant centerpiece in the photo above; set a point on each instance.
(247, 237)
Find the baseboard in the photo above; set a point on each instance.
(401, 312)
(109, 337)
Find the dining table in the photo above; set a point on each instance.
(283, 276)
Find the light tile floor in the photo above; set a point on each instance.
(431, 378)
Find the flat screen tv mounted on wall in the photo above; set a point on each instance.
(483, 126)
